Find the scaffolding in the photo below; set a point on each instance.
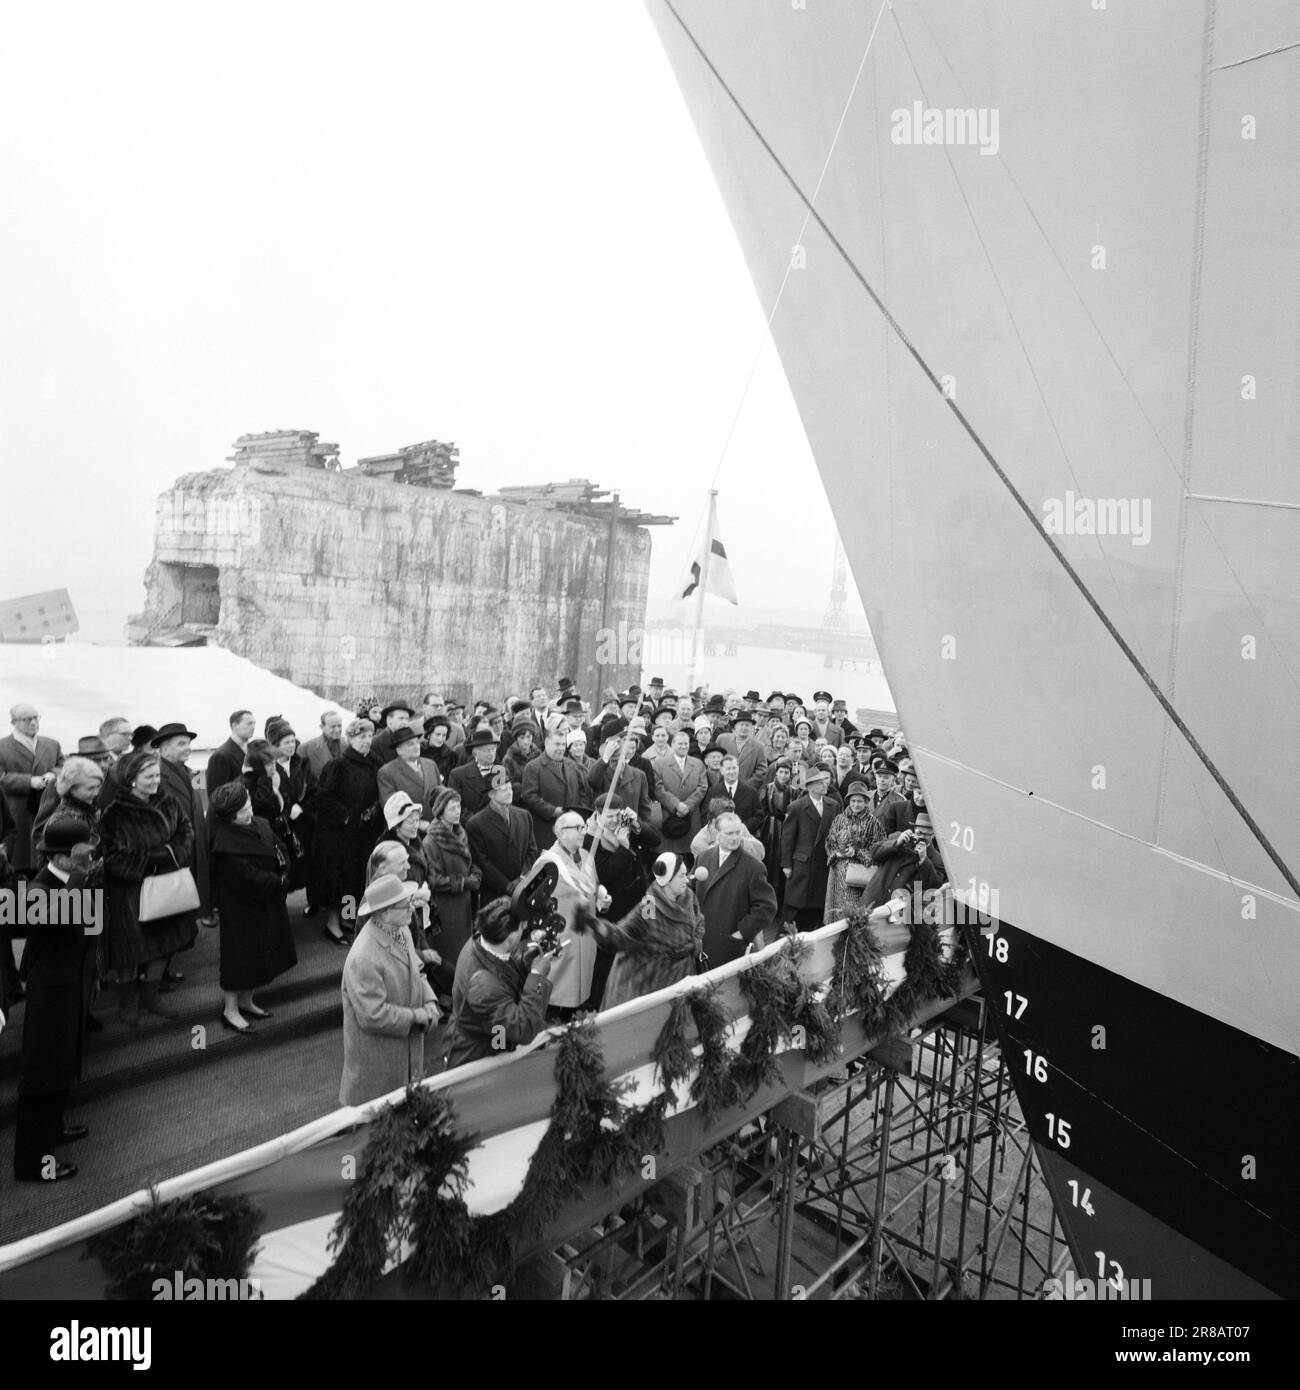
(907, 1175)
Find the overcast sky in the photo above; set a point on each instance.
(487, 223)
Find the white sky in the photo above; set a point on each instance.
(489, 223)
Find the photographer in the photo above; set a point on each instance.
(909, 857)
(501, 990)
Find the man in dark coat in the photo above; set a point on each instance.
(551, 783)
(226, 764)
(633, 785)
(751, 754)
(57, 965)
(501, 839)
(472, 780)
(749, 806)
(737, 900)
(498, 1003)
(398, 715)
(910, 860)
(803, 852)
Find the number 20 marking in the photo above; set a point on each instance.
(962, 835)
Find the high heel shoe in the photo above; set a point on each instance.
(236, 1027)
(343, 939)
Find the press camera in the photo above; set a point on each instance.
(533, 903)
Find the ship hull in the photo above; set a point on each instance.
(1166, 1137)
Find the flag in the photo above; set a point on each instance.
(718, 579)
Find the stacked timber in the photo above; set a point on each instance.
(287, 448)
(428, 464)
(583, 497)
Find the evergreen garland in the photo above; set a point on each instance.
(858, 979)
(202, 1236)
(672, 1053)
(715, 1087)
(404, 1141)
(415, 1170)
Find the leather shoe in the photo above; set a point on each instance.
(61, 1170)
(69, 1134)
(235, 1027)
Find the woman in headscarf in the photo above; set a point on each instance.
(777, 798)
(348, 823)
(850, 840)
(250, 877)
(143, 832)
(659, 940)
(452, 878)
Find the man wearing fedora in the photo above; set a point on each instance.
(501, 838)
(750, 753)
(173, 744)
(388, 1005)
(803, 851)
(410, 772)
(472, 779)
(397, 715)
(58, 968)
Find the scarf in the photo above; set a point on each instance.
(452, 843)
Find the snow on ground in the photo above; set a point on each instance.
(76, 686)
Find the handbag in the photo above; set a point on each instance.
(863, 877)
(164, 895)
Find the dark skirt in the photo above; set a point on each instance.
(453, 922)
(133, 943)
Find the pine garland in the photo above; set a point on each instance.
(202, 1236)
(715, 1087)
(404, 1141)
(415, 1171)
(672, 1053)
(858, 979)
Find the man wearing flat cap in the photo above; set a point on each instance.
(803, 851)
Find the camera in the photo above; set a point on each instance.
(533, 903)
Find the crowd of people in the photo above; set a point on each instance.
(682, 830)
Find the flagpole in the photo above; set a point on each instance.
(700, 590)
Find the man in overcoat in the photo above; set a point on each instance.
(733, 892)
(552, 782)
(57, 966)
(501, 839)
(803, 851)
